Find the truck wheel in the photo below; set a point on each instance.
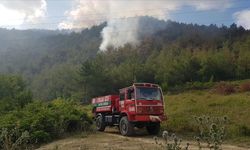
(100, 125)
(153, 128)
(126, 127)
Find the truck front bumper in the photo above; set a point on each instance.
(149, 118)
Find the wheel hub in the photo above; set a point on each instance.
(124, 127)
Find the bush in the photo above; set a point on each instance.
(45, 122)
(244, 130)
(211, 135)
(40, 137)
(245, 87)
(212, 130)
(224, 88)
(12, 139)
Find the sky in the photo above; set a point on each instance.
(78, 14)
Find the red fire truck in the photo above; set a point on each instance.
(140, 105)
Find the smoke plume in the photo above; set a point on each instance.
(122, 16)
(242, 18)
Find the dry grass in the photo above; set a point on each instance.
(224, 88)
(245, 87)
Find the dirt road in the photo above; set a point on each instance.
(112, 140)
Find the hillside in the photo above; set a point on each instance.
(182, 108)
(169, 53)
(34, 53)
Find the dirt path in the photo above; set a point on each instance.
(112, 140)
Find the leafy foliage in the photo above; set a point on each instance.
(13, 93)
(43, 122)
(14, 139)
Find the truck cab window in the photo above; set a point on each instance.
(130, 94)
(122, 96)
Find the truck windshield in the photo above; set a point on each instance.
(145, 93)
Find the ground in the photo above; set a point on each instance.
(112, 140)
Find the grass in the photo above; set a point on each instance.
(181, 109)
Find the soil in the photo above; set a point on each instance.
(112, 140)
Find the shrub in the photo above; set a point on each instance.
(46, 121)
(171, 142)
(211, 131)
(224, 88)
(12, 139)
(40, 137)
(245, 87)
(244, 130)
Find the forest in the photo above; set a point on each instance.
(58, 64)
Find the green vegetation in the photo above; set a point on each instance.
(183, 107)
(48, 60)
(70, 65)
(176, 63)
(24, 122)
(42, 122)
(211, 134)
(171, 142)
(13, 93)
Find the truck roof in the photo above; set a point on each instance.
(142, 85)
(146, 84)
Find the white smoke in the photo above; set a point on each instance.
(119, 32)
(122, 16)
(243, 18)
(17, 12)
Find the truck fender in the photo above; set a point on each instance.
(99, 114)
(125, 114)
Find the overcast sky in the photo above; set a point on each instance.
(69, 14)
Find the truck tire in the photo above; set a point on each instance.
(126, 127)
(153, 128)
(100, 124)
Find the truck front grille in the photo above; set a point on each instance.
(149, 110)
